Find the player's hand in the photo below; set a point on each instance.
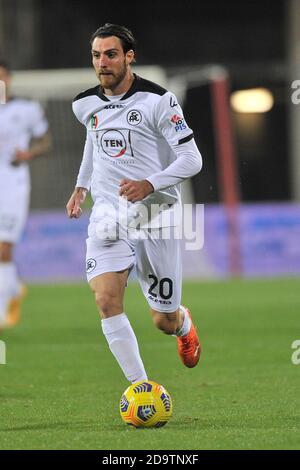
(135, 191)
(22, 156)
(73, 207)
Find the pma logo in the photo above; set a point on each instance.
(179, 123)
(94, 122)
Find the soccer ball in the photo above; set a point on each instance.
(146, 404)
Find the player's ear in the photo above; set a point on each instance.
(130, 57)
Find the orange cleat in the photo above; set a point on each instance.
(14, 308)
(189, 347)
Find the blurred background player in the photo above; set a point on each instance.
(23, 136)
(157, 144)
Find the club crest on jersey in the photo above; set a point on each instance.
(113, 143)
(94, 122)
(179, 123)
(134, 117)
(90, 265)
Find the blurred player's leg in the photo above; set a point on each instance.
(109, 293)
(14, 307)
(4, 296)
(14, 203)
(10, 287)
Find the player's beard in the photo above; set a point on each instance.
(113, 80)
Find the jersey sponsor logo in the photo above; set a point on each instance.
(94, 122)
(179, 122)
(115, 106)
(90, 265)
(113, 143)
(134, 117)
(173, 102)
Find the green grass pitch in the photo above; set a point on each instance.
(60, 388)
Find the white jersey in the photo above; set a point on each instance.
(142, 135)
(20, 121)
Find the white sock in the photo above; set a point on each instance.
(186, 326)
(3, 308)
(9, 287)
(123, 344)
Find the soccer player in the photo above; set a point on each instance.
(23, 136)
(138, 150)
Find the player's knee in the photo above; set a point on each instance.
(107, 303)
(5, 253)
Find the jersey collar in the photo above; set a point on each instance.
(132, 90)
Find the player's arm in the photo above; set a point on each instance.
(135, 190)
(76, 200)
(172, 125)
(181, 140)
(83, 181)
(39, 146)
(40, 137)
(187, 164)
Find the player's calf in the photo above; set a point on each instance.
(109, 293)
(167, 322)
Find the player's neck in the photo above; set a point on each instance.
(122, 88)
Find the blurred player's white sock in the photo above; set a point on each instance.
(9, 287)
(123, 344)
(3, 307)
(186, 326)
(9, 275)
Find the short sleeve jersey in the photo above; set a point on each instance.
(20, 121)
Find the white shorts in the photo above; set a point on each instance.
(14, 206)
(157, 262)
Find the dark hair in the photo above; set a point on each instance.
(125, 35)
(4, 65)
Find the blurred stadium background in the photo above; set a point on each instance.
(252, 45)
